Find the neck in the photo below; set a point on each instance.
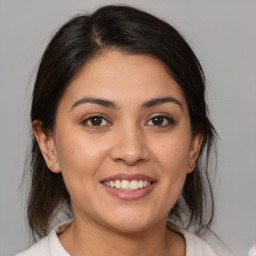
(85, 238)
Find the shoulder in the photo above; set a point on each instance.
(195, 246)
(39, 249)
(48, 246)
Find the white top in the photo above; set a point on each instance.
(51, 246)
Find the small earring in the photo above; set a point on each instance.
(52, 166)
(191, 166)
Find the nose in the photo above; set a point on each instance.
(130, 147)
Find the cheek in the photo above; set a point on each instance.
(80, 159)
(75, 148)
(170, 157)
(173, 153)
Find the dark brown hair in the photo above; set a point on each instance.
(133, 32)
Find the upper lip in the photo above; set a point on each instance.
(129, 177)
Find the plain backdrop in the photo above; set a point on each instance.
(223, 35)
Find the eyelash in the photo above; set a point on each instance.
(166, 120)
(90, 118)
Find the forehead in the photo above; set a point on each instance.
(119, 76)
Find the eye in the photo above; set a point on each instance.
(95, 121)
(161, 121)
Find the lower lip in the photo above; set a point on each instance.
(130, 195)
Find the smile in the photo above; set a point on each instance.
(127, 185)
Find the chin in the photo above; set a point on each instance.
(130, 223)
(130, 227)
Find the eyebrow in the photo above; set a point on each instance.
(111, 104)
(159, 101)
(99, 101)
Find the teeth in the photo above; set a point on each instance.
(127, 185)
(117, 184)
(141, 184)
(134, 184)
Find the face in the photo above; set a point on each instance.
(122, 141)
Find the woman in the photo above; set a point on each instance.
(120, 127)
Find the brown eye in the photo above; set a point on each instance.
(157, 120)
(95, 121)
(161, 121)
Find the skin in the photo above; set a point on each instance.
(128, 141)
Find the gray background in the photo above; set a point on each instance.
(223, 35)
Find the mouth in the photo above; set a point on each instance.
(129, 187)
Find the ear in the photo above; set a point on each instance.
(47, 146)
(194, 150)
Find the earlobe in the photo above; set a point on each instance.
(195, 150)
(47, 146)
